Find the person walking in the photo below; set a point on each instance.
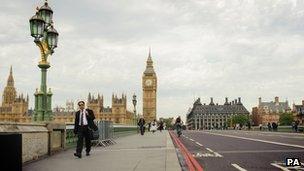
(153, 126)
(149, 126)
(84, 123)
(178, 126)
(297, 125)
(141, 123)
(260, 126)
(161, 125)
(269, 126)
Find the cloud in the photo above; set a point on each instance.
(201, 49)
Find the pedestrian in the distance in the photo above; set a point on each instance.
(297, 125)
(161, 125)
(260, 126)
(141, 123)
(149, 126)
(269, 126)
(84, 123)
(153, 126)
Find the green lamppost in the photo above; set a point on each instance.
(46, 38)
(134, 103)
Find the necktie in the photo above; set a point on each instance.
(81, 117)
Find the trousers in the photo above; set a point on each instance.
(83, 133)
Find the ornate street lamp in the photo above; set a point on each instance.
(134, 104)
(46, 38)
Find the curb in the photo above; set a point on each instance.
(193, 165)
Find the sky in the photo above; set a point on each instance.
(200, 48)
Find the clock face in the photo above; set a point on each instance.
(148, 82)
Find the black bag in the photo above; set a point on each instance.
(94, 134)
(93, 126)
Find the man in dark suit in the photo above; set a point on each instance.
(141, 123)
(84, 122)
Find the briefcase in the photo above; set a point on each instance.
(94, 134)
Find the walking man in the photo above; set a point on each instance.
(161, 125)
(84, 123)
(141, 123)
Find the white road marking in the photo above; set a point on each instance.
(258, 140)
(199, 144)
(238, 167)
(217, 154)
(210, 150)
(205, 155)
(278, 166)
(191, 139)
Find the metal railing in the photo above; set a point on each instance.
(70, 138)
(107, 131)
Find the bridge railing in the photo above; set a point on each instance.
(70, 138)
(124, 130)
(280, 128)
(106, 130)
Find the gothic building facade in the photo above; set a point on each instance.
(202, 116)
(14, 108)
(149, 86)
(118, 113)
(67, 114)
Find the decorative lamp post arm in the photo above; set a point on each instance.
(44, 51)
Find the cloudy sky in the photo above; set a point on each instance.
(200, 48)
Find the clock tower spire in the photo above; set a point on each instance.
(149, 85)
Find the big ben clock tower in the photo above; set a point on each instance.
(149, 85)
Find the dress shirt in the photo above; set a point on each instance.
(83, 116)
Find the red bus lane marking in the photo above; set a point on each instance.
(188, 154)
(189, 164)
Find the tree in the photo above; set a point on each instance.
(286, 119)
(239, 119)
(168, 122)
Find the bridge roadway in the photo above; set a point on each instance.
(244, 150)
(135, 152)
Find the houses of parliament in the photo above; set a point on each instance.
(14, 107)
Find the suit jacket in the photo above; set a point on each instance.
(141, 122)
(90, 119)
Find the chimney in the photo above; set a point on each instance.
(232, 102)
(302, 102)
(240, 101)
(226, 101)
(217, 104)
(260, 100)
(211, 102)
(276, 99)
(235, 101)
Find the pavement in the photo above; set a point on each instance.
(135, 152)
(244, 150)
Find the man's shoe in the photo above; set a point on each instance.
(87, 154)
(77, 155)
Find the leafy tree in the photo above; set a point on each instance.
(286, 119)
(168, 122)
(239, 119)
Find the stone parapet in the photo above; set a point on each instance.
(38, 139)
(34, 138)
